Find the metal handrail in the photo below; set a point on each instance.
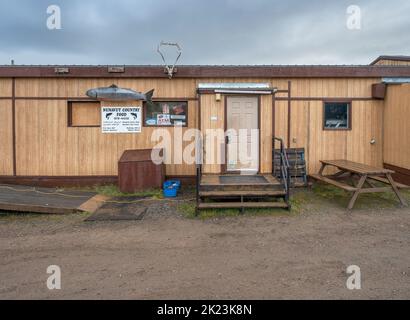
(284, 166)
(199, 159)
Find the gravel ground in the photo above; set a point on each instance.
(301, 255)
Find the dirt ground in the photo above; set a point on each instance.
(298, 255)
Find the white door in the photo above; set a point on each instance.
(242, 135)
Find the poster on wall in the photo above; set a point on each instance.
(163, 120)
(121, 119)
(166, 113)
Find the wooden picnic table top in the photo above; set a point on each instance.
(356, 167)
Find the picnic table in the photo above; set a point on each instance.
(366, 174)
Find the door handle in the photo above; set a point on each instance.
(227, 140)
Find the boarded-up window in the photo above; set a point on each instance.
(84, 114)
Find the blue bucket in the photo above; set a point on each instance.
(171, 188)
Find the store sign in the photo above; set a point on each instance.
(121, 119)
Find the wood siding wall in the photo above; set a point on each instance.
(397, 126)
(46, 146)
(306, 129)
(392, 63)
(307, 132)
(6, 138)
(212, 118)
(164, 88)
(5, 87)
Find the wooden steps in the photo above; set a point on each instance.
(241, 205)
(242, 192)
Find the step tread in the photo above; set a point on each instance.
(242, 193)
(213, 180)
(239, 205)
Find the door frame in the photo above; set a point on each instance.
(224, 167)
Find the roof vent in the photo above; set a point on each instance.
(61, 70)
(116, 69)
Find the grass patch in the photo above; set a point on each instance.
(297, 202)
(187, 209)
(114, 191)
(320, 197)
(341, 198)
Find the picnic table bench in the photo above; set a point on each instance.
(366, 175)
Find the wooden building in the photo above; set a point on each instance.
(50, 131)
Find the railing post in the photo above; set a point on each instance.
(199, 159)
(287, 183)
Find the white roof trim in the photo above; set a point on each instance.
(396, 80)
(235, 86)
(245, 91)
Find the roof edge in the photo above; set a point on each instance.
(393, 58)
(205, 72)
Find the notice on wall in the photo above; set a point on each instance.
(121, 119)
(163, 120)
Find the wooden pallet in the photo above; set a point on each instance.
(297, 164)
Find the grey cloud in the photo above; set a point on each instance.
(211, 32)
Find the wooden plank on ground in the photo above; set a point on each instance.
(27, 208)
(93, 204)
(43, 200)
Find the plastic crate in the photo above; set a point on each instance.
(171, 188)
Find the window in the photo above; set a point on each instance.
(164, 113)
(84, 114)
(337, 116)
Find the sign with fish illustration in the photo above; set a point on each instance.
(121, 119)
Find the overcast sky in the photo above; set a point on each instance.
(209, 31)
